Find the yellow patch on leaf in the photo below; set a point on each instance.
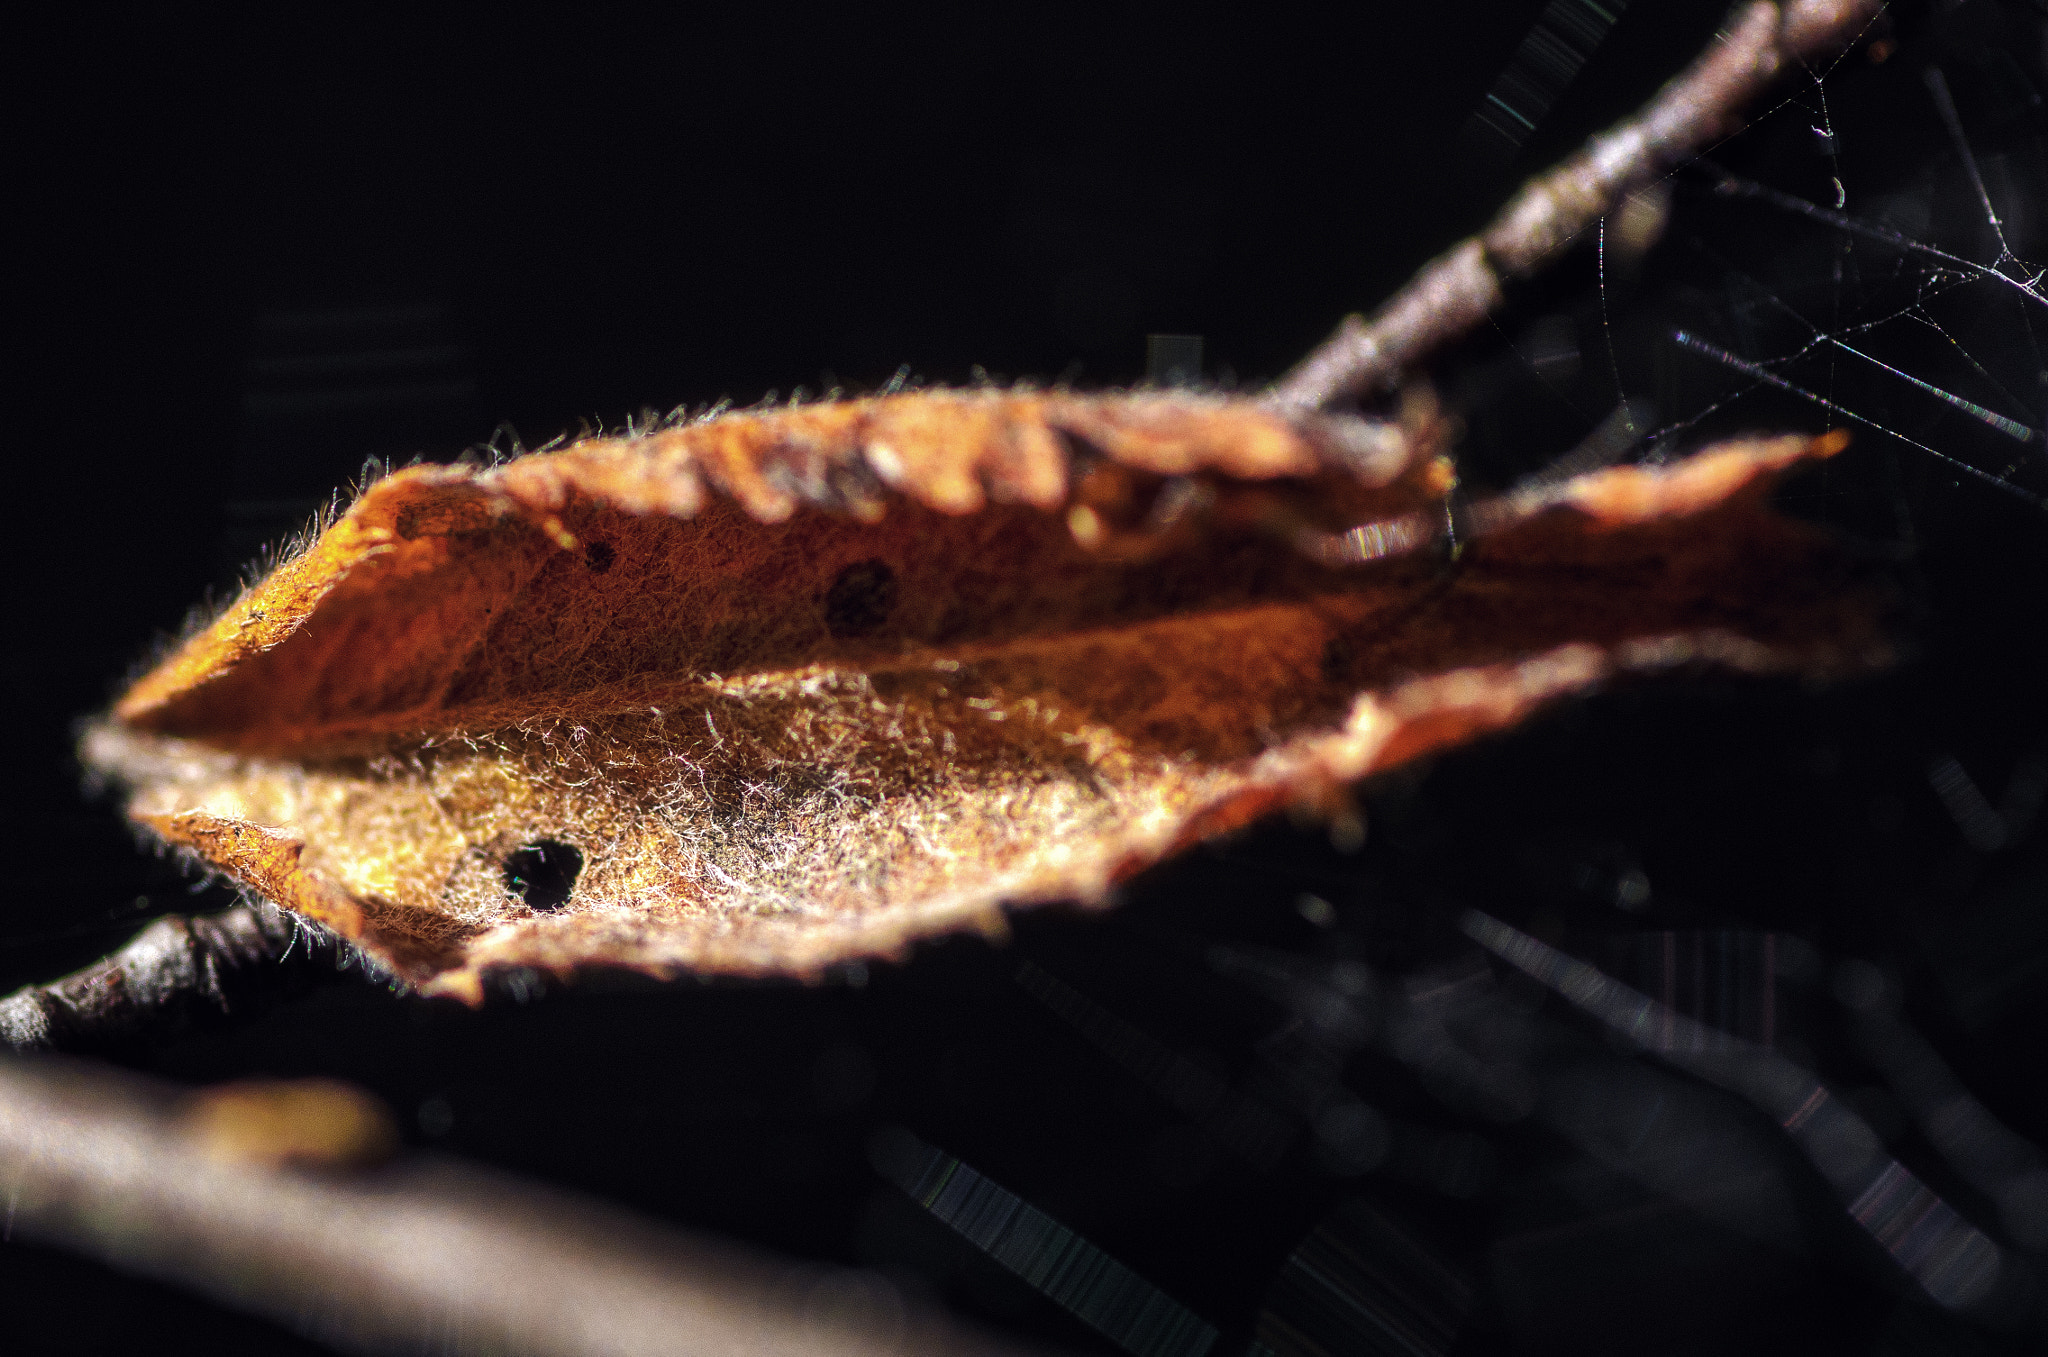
(787, 689)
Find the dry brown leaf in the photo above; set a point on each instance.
(802, 686)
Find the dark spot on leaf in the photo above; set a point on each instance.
(860, 599)
(599, 556)
(543, 873)
(1339, 657)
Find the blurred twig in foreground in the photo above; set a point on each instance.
(422, 1250)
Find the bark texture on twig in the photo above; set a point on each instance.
(423, 1252)
(1455, 292)
(174, 968)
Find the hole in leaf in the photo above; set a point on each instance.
(543, 873)
(1338, 659)
(860, 599)
(599, 556)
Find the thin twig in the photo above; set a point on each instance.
(421, 1253)
(1958, 1265)
(1457, 290)
(178, 967)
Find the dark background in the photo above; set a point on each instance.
(261, 248)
